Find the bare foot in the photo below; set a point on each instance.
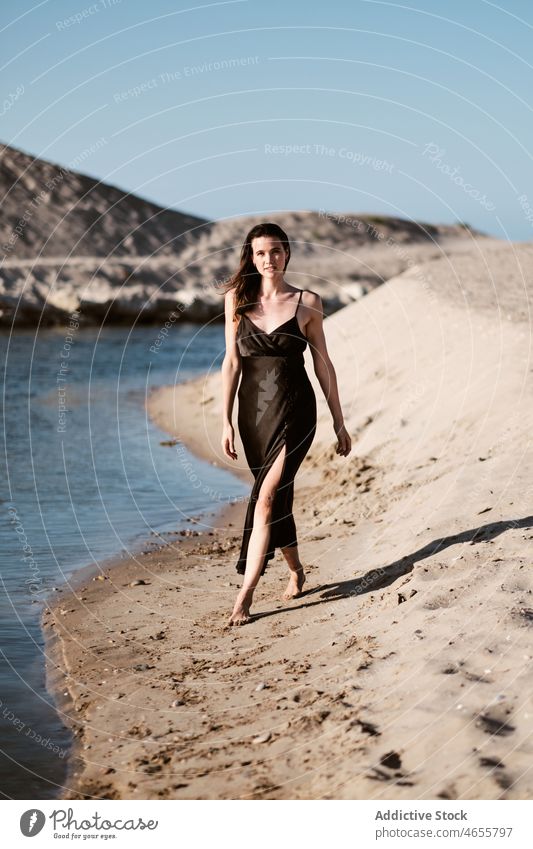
(241, 611)
(295, 585)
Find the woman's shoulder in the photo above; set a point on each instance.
(311, 299)
(229, 296)
(229, 305)
(229, 302)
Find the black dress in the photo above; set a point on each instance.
(277, 406)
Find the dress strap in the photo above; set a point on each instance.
(299, 299)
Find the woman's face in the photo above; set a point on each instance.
(269, 255)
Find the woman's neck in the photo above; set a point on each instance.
(270, 290)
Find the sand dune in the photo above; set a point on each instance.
(405, 670)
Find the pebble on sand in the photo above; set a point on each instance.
(262, 738)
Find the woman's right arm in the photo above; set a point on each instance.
(231, 370)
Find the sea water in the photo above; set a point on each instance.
(84, 477)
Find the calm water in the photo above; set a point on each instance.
(83, 477)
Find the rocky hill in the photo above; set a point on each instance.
(69, 242)
(50, 211)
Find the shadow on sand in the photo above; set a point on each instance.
(377, 579)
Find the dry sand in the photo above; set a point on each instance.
(405, 670)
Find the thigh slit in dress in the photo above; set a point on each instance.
(277, 407)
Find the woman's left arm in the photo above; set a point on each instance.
(325, 371)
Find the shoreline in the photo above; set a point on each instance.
(400, 671)
(115, 568)
(86, 584)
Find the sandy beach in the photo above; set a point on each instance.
(405, 669)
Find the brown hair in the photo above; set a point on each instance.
(247, 280)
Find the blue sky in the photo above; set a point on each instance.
(420, 110)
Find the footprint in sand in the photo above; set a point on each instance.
(494, 723)
(391, 769)
(442, 600)
(524, 615)
(495, 767)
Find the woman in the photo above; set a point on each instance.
(277, 405)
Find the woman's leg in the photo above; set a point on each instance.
(297, 576)
(258, 543)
